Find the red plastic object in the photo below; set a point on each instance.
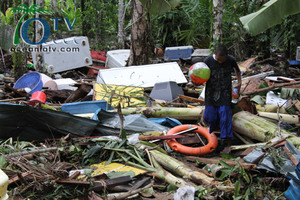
(93, 72)
(234, 93)
(98, 55)
(38, 97)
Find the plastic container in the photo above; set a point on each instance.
(167, 91)
(294, 62)
(174, 53)
(98, 55)
(3, 185)
(235, 93)
(38, 96)
(117, 58)
(30, 80)
(84, 107)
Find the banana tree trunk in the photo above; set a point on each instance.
(258, 128)
(177, 113)
(168, 177)
(139, 37)
(218, 18)
(180, 168)
(292, 119)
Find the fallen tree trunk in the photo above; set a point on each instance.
(168, 177)
(177, 113)
(180, 168)
(292, 119)
(259, 128)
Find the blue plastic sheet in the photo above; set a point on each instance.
(293, 192)
(109, 124)
(166, 121)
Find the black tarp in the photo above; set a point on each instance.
(109, 124)
(28, 123)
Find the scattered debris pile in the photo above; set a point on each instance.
(103, 131)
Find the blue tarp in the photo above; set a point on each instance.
(166, 121)
(109, 124)
(293, 192)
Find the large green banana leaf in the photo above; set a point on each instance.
(158, 7)
(270, 14)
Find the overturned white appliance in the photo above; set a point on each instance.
(65, 54)
(117, 58)
(143, 75)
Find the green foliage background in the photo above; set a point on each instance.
(190, 23)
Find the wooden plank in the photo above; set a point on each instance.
(247, 166)
(165, 137)
(191, 99)
(247, 151)
(272, 87)
(15, 99)
(189, 140)
(273, 144)
(291, 157)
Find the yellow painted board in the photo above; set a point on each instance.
(114, 167)
(115, 94)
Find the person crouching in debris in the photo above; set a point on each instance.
(218, 89)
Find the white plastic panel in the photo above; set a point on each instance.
(143, 75)
(65, 54)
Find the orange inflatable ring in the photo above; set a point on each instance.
(210, 147)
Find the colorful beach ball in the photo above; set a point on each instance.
(199, 73)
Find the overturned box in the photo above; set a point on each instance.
(65, 54)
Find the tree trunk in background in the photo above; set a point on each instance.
(218, 18)
(121, 16)
(18, 58)
(84, 26)
(39, 65)
(19, 61)
(54, 5)
(38, 26)
(139, 37)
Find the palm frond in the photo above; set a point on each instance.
(18, 10)
(40, 11)
(24, 6)
(34, 6)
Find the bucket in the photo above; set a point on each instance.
(30, 80)
(38, 97)
(3, 185)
